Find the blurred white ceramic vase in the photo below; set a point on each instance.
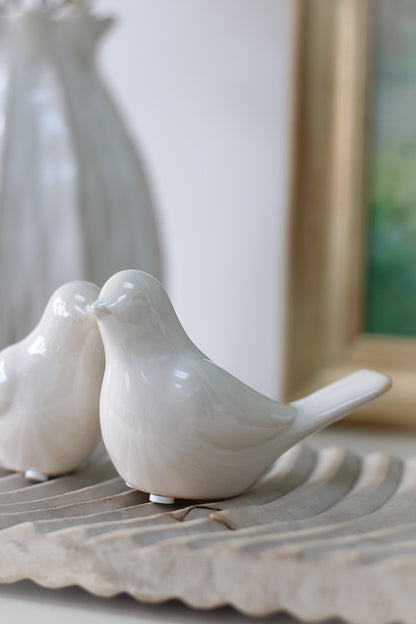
(74, 201)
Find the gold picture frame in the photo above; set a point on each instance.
(325, 337)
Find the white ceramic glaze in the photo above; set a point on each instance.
(50, 387)
(178, 426)
(85, 209)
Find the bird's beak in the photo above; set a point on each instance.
(99, 308)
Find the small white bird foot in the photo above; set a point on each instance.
(162, 500)
(36, 475)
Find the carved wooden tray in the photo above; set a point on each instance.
(326, 533)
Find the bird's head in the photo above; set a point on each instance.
(71, 303)
(67, 319)
(132, 298)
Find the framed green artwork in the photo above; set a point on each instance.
(390, 304)
(352, 260)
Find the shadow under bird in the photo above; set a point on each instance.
(175, 424)
(50, 386)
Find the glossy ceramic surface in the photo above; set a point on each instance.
(50, 386)
(178, 426)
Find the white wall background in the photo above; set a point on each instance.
(205, 89)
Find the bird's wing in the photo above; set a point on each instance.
(5, 405)
(234, 416)
(7, 382)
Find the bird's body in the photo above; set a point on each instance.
(50, 385)
(174, 423)
(183, 421)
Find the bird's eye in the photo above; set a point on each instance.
(141, 298)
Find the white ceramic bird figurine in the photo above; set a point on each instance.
(175, 424)
(50, 386)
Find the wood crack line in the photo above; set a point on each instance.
(212, 508)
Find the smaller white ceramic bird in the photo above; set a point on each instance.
(50, 386)
(178, 426)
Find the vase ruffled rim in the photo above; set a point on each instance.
(96, 25)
